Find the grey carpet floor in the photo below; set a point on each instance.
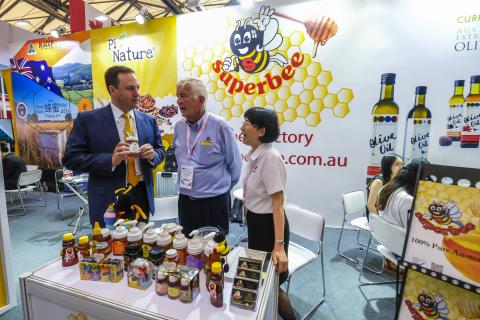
(36, 239)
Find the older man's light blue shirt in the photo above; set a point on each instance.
(215, 158)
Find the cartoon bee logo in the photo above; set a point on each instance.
(432, 306)
(252, 43)
(444, 213)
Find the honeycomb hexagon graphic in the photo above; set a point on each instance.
(290, 114)
(341, 110)
(303, 110)
(330, 100)
(304, 96)
(345, 95)
(280, 106)
(297, 38)
(313, 119)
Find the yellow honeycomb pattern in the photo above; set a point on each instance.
(459, 301)
(304, 96)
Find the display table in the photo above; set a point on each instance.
(54, 292)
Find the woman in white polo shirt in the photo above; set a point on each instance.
(264, 194)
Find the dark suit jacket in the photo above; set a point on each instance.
(90, 147)
(12, 167)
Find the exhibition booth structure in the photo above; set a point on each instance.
(350, 84)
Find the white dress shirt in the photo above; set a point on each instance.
(120, 122)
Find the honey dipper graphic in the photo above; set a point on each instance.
(320, 30)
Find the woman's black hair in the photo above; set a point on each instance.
(405, 178)
(264, 118)
(386, 164)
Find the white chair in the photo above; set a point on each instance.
(60, 194)
(166, 185)
(165, 208)
(308, 225)
(238, 194)
(28, 181)
(354, 203)
(391, 239)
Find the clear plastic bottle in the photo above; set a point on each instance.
(119, 240)
(164, 240)
(149, 240)
(180, 244)
(171, 228)
(215, 285)
(107, 237)
(210, 255)
(194, 252)
(134, 235)
(171, 259)
(83, 247)
(69, 252)
(99, 245)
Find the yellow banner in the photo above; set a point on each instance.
(149, 49)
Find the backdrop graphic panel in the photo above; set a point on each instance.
(52, 82)
(150, 50)
(325, 108)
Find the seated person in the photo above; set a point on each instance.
(390, 165)
(12, 167)
(396, 197)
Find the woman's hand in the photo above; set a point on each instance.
(280, 258)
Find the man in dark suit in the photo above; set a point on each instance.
(97, 145)
(12, 167)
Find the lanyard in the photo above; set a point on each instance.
(202, 128)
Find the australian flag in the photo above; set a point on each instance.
(39, 71)
(21, 66)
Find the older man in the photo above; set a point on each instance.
(97, 145)
(208, 159)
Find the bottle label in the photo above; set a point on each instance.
(454, 121)
(194, 262)
(383, 139)
(417, 139)
(69, 255)
(146, 250)
(216, 292)
(471, 125)
(169, 265)
(173, 292)
(118, 247)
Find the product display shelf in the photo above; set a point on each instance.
(55, 292)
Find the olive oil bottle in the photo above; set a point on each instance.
(470, 135)
(417, 128)
(384, 119)
(455, 116)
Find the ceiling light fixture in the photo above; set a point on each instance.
(58, 31)
(101, 18)
(142, 16)
(246, 3)
(195, 5)
(23, 23)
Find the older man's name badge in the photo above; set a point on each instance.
(186, 177)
